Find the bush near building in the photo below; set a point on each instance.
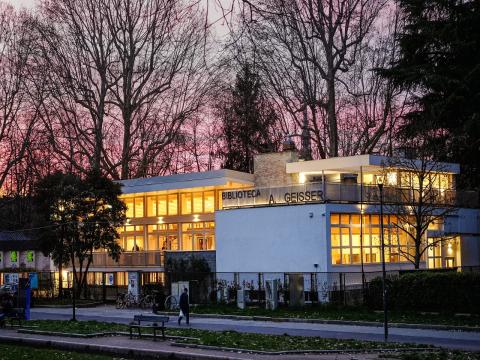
(446, 292)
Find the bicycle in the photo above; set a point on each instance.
(120, 302)
(146, 301)
(171, 303)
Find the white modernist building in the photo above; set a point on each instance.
(293, 216)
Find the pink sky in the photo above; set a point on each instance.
(22, 3)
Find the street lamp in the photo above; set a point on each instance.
(384, 275)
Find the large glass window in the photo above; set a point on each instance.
(162, 206)
(351, 239)
(151, 206)
(172, 204)
(197, 202)
(186, 203)
(209, 201)
(198, 236)
(139, 207)
(131, 238)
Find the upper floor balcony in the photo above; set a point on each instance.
(130, 259)
(347, 193)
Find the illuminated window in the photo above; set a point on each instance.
(197, 202)
(172, 204)
(351, 241)
(162, 205)
(209, 202)
(138, 207)
(130, 208)
(187, 242)
(186, 203)
(152, 243)
(151, 206)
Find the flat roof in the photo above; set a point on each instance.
(366, 162)
(185, 181)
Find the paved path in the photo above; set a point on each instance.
(448, 339)
(142, 348)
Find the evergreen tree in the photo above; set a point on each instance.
(440, 59)
(249, 122)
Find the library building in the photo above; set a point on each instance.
(294, 216)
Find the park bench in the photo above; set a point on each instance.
(15, 314)
(153, 322)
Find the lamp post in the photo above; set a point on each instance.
(384, 275)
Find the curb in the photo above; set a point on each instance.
(293, 352)
(101, 334)
(78, 306)
(331, 322)
(110, 350)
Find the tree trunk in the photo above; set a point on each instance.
(331, 115)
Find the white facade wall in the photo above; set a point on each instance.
(288, 239)
(272, 239)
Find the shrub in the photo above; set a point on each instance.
(447, 292)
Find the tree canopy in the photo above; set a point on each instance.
(79, 216)
(249, 122)
(440, 60)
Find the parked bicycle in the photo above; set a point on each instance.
(128, 300)
(171, 303)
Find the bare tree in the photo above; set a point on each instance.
(304, 46)
(159, 78)
(422, 195)
(77, 54)
(18, 110)
(371, 107)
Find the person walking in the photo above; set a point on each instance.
(184, 307)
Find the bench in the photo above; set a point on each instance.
(15, 314)
(154, 322)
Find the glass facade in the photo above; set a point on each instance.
(199, 202)
(353, 238)
(169, 235)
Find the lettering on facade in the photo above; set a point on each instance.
(240, 194)
(303, 196)
(272, 196)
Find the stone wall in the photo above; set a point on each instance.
(270, 169)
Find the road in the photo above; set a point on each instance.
(447, 339)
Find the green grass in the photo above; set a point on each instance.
(13, 352)
(229, 339)
(438, 355)
(330, 312)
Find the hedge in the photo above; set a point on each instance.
(446, 292)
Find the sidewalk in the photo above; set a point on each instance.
(147, 348)
(448, 339)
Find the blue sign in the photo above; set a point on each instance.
(33, 277)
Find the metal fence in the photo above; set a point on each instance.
(345, 288)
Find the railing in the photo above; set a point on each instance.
(346, 193)
(127, 259)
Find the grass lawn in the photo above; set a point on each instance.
(230, 339)
(329, 312)
(13, 352)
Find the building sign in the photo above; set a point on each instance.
(295, 194)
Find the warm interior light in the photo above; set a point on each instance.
(160, 220)
(196, 218)
(302, 178)
(392, 178)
